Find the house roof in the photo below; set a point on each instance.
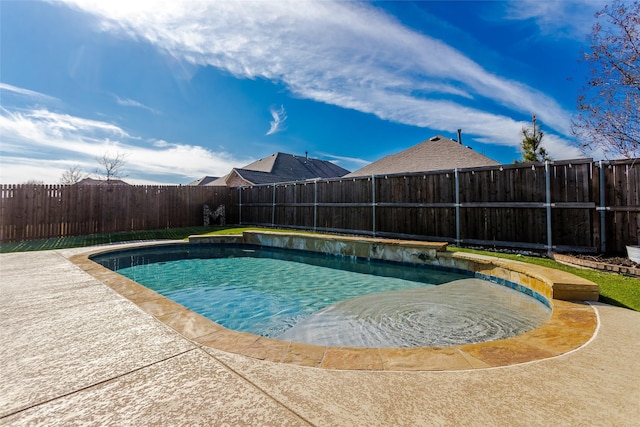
(219, 182)
(259, 177)
(283, 167)
(204, 180)
(436, 153)
(91, 181)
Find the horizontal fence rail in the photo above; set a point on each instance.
(29, 212)
(575, 205)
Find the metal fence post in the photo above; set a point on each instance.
(373, 203)
(315, 205)
(240, 205)
(603, 210)
(273, 207)
(547, 172)
(457, 178)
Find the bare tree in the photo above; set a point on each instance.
(112, 165)
(609, 103)
(72, 175)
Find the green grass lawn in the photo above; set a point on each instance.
(615, 289)
(100, 239)
(126, 236)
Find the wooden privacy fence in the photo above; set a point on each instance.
(573, 205)
(567, 205)
(30, 212)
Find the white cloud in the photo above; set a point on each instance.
(559, 18)
(279, 117)
(33, 95)
(32, 138)
(342, 53)
(126, 102)
(349, 163)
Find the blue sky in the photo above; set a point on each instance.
(186, 88)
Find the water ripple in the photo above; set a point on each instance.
(463, 311)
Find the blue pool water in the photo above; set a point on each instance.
(329, 300)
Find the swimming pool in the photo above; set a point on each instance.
(330, 300)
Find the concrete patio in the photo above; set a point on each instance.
(73, 352)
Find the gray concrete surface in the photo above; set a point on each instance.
(73, 352)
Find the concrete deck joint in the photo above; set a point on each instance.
(259, 388)
(89, 386)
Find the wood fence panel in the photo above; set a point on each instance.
(138, 204)
(347, 218)
(383, 191)
(30, 212)
(444, 192)
(435, 191)
(24, 196)
(571, 183)
(391, 189)
(345, 191)
(615, 181)
(256, 205)
(8, 227)
(507, 187)
(258, 215)
(623, 200)
(232, 202)
(633, 201)
(167, 208)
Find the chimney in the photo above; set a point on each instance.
(460, 136)
(306, 155)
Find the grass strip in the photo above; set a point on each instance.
(101, 239)
(125, 236)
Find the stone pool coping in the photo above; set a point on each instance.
(572, 324)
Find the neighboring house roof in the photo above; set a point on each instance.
(436, 153)
(205, 180)
(91, 181)
(219, 182)
(280, 167)
(257, 177)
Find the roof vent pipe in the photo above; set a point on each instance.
(460, 136)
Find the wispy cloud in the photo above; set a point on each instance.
(347, 54)
(279, 117)
(31, 94)
(559, 18)
(349, 163)
(32, 138)
(126, 102)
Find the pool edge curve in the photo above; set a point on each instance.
(572, 323)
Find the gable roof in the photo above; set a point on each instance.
(258, 177)
(296, 168)
(204, 180)
(283, 167)
(436, 153)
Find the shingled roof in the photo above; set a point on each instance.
(204, 180)
(280, 167)
(436, 153)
